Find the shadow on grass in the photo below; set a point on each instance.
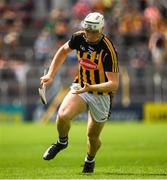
(135, 174)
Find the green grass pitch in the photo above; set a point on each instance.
(129, 151)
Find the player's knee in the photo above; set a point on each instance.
(63, 116)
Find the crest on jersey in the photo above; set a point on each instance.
(82, 48)
(87, 64)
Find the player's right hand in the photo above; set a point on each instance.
(46, 80)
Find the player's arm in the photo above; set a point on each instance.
(110, 86)
(111, 69)
(57, 61)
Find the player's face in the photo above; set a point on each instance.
(92, 36)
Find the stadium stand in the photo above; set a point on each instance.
(132, 25)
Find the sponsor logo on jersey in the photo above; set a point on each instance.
(87, 64)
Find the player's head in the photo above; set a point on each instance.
(93, 21)
(93, 25)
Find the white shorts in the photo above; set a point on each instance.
(98, 105)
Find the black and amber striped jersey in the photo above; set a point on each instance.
(94, 59)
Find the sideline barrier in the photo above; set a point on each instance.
(149, 112)
(155, 112)
(11, 113)
(121, 113)
(132, 112)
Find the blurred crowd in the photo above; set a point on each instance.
(137, 28)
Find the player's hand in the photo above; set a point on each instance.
(46, 80)
(86, 88)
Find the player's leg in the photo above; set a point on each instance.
(71, 106)
(93, 141)
(93, 133)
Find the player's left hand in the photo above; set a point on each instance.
(86, 88)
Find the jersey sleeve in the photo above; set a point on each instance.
(72, 42)
(75, 41)
(110, 62)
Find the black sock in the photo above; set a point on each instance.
(63, 140)
(89, 158)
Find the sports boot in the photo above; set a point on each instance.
(52, 151)
(88, 167)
